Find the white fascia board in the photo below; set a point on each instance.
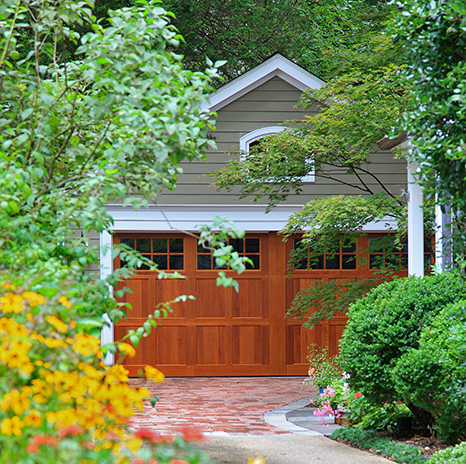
(278, 65)
(252, 218)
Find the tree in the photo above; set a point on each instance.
(357, 107)
(111, 126)
(434, 41)
(307, 32)
(76, 135)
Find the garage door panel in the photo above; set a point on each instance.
(168, 289)
(251, 300)
(223, 332)
(141, 297)
(211, 345)
(250, 344)
(210, 299)
(146, 350)
(171, 345)
(298, 340)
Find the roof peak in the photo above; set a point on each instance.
(275, 66)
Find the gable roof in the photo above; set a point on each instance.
(277, 65)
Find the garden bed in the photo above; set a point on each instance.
(415, 447)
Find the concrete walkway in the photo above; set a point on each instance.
(249, 416)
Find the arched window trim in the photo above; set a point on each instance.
(250, 137)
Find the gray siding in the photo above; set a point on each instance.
(268, 105)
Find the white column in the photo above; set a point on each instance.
(442, 238)
(415, 224)
(106, 268)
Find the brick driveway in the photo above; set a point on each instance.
(219, 404)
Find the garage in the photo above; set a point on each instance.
(222, 332)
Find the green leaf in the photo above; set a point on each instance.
(26, 113)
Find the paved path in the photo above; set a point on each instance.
(220, 404)
(241, 416)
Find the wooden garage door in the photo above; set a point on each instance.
(221, 332)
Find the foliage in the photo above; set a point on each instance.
(59, 402)
(432, 377)
(357, 107)
(338, 221)
(327, 404)
(78, 135)
(323, 369)
(316, 35)
(380, 417)
(454, 455)
(435, 39)
(367, 439)
(387, 323)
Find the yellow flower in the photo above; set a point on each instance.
(16, 401)
(127, 349)
(34, 299)
(134, 444)
(33, 418)
(64, 301)
(16, 355)
(12, 328)
(258, 460)
(59, 325)
(54, 343)
(86, 344)
(12, 426)
(154, 374)
(11, 303)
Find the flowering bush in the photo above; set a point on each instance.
(334, 399)
(327, 405)
(324, 369)
(59, 402)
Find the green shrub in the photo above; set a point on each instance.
(454, 455)
(386, 324)
(433, 377)
(367, 439)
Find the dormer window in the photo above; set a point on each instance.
(253, 139)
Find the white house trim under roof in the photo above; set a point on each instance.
(278, 66)
(252, 218)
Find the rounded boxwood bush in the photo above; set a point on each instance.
(432, 377)
(386, 324)
(456, 455)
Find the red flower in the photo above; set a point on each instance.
(154, 437)
(32, 448)
(71, 431)
(191, 434)
(137, 461)
(358, 395)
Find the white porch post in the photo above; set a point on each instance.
(106, 267)
(442, 238)
(415, 225)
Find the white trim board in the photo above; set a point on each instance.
(276, 66)
(253, 218)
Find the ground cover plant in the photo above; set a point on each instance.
(367, 439)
